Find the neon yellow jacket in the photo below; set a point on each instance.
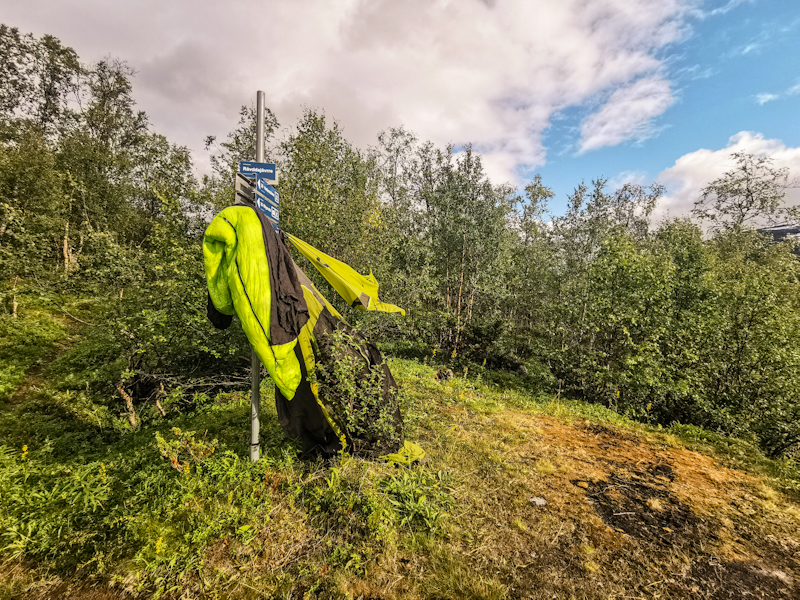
(237, 273)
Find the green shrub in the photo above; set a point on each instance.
(360, 395)
(185, 447)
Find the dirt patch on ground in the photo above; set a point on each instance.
(19, 580)
(711, 579)
(643, 507)
(626, 515)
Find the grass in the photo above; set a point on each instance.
(24, 341)
(86, 502)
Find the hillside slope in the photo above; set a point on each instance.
(520, 496)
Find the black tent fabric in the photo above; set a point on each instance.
(316, 416)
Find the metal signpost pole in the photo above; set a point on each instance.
(255, 364)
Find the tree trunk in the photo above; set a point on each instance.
(128, 403)
(14, 300)
(460, 288)
(447, 284)
(66, 248)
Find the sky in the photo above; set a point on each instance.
(628, 90)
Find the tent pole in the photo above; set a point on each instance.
(255, 364)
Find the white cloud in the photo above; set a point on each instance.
(764, 98)
(491, 73)
(752, 47)
(694, 72)
(628, 114)
(767, 97)
(626, 177)
(694, 171)
(721, 10)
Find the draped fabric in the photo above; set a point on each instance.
(287, 320)
(360, 291)
(243, 281)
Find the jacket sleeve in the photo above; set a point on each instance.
(218, 319)
(219, 247)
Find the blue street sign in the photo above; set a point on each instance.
(251, 168)
(268, 200)
(266, 190)
(267, 207)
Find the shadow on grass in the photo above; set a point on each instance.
(75, 492)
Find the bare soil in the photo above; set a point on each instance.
(627, 516)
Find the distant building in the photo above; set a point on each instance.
(782, 232)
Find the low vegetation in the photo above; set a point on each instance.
(521, 494)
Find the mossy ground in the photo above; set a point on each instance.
(91, 509)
